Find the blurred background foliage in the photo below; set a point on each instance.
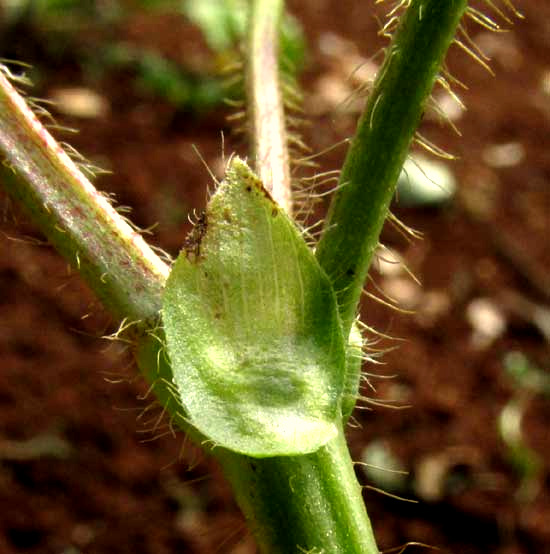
(86, 33)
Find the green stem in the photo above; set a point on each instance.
(83, 226)
(319, 489)
(265, 103)
(79, 221)
(309, 503)
(380, 146)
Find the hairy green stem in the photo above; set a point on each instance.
(80, 222)
(265, 103)
(83, 226)
(309, 503)
(380, 146)
(319, 491)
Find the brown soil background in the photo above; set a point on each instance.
(79, 472)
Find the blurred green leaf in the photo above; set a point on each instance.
(221, 21)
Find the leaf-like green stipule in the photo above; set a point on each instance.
(252, 327)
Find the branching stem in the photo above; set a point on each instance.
(265, 103)
(308, 503)
(79, 221)
(381, 143)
